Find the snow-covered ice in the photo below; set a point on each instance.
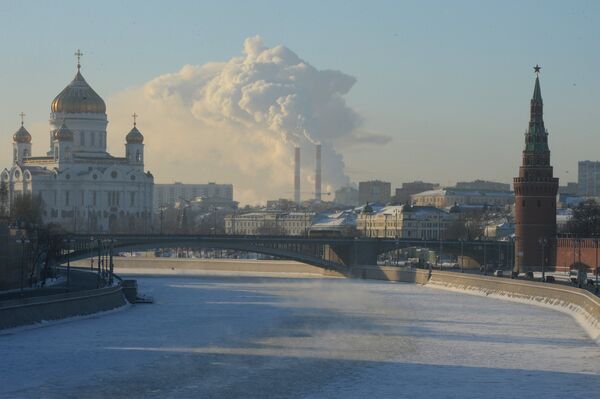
(232, 336)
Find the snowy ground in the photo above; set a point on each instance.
(265, 337)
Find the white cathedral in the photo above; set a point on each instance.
(83, 187)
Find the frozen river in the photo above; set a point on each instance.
(266, 337)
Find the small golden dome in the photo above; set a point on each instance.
(63, 133)
(134, 136)
(78, 97)
(22, 135)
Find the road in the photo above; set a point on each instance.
(265, 337)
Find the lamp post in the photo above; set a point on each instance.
(543, 242)
(462, 257)
(597, 271)
(23, 240)
(484, 258)
(68, 241)
(162, 214)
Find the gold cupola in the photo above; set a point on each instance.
(78, 97)
(22, 136)
(63, 133)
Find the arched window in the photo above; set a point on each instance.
(138, 156)
(15, 155)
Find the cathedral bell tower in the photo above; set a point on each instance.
(535, 194)
(134, 147)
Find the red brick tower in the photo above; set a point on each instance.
(535, 194)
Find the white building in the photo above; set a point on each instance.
(82, 186)
(170, 194)
(405, 221)
(269, 223)
(447, 197)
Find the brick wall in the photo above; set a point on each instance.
(572, 251)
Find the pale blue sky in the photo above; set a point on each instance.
(448, 80)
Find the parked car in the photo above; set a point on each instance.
(498, 273)
(574, 276)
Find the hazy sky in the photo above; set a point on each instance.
(441, 88)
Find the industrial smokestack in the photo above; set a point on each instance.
(318, 174)
(297, 175)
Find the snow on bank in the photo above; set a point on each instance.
(581, 316)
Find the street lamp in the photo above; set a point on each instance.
(597, 271)
(462, 257)
(23, 240)
(484, 258)
(162, 214)
(69, 241)
(543, 242)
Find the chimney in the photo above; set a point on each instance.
(297, 175)
(318, 174)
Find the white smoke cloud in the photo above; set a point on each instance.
(238, 121)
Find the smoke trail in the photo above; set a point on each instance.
(239, 120)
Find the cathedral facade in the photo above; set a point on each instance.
(81, 186)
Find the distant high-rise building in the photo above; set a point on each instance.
(483, 185)
(346, 196)
(403, 194)
(170, 194)
(570, 189)
(588, 178)
(535, 194)
(374, 191)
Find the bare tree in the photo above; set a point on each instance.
(586, 220)
(27, 209)
(3, 200)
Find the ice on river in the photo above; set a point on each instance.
(267, 337)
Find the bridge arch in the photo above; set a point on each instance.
(281, 252)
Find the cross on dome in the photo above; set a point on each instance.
(134, 116)
(22, 115)
(78, 54)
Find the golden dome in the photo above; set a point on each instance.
(134, 136)
(63, 133)
(22, 136)
(78, 97)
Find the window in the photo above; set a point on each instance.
(94, 196)
(132, 198)
(93, 137)
(82, 138)
(67, 198)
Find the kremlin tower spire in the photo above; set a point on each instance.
(535, 193)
